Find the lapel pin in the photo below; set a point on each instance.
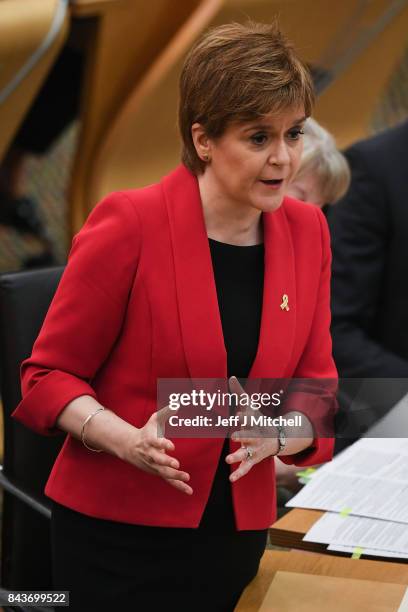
(285, 302)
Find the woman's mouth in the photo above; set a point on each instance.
(272, 183)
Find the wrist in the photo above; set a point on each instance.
(278, 442)
(126, 441)
(282, 440)
(84, 426)
(109, 432)
(300, 438)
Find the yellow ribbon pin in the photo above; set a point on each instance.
(285, 302)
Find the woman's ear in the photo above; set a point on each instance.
(201, 142)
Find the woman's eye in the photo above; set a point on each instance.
(258, 139)
(295, 134)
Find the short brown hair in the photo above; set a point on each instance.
(236, 73)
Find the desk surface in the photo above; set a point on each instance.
(314, 563)
(291, 528)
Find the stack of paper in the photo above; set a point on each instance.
(369, 536)
(366, 491)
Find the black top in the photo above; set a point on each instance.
(239, 276)
(238, 273)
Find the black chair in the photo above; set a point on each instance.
(28, 457)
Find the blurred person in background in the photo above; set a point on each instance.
(369, 232)
(193, 277)
(324, 174)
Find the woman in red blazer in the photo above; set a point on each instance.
(209, 273)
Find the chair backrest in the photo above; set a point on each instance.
(28, 457)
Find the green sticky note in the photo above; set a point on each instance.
(357, 552)
(301, 474)
(306, 473)
(345, 512)
(304, 480)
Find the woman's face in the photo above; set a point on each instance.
(306, 187)
(253, 163)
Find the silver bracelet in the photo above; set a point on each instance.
(88, 418)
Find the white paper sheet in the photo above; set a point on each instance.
(370, 478)
(356, 531)
(373, 552)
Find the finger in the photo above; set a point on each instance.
(239, 455)
(235, 386)
(171, 473)
(243, 469)
(160, 443)
(244, 414)
(180, 486)
(164, 413)
(161, 418)
(162, 459)
(243, 436)
(243, 409)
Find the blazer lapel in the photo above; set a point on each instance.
(279, 299)
(196, 292)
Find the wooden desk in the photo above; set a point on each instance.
(313, 563)
(288, 532)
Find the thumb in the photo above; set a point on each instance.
(162, 416)
(243, 407)
(235, 386)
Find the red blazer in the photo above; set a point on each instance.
(138, 302)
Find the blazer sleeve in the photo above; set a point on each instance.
(85, 316)
(360, 227)
(315, 394)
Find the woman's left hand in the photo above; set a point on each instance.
(253, 449)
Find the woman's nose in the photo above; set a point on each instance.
(279, 155)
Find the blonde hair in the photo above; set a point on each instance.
(321, 157)
(237, 73)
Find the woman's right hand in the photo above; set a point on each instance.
(143, 448)
(147, 451)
